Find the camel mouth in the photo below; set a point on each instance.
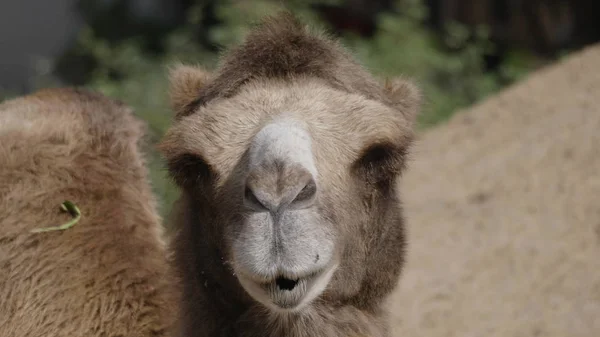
(287, 291)
(286, 283)
(283, 284)
(291, 293)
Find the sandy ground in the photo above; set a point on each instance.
(503, 209)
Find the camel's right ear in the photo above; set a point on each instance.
(185, 84)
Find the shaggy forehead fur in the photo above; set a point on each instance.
(282, 47)
(107, 275)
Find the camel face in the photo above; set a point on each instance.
(290, 167)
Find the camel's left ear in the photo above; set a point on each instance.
(406, 96)
(185, 85)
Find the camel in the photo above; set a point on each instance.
(287, 157)
(106, 273)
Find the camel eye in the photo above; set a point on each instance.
(379, 163)
(188, 169)
(377, 155)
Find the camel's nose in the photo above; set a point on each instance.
(279, 186)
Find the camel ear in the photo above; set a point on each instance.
(406, 96)
(185, 85)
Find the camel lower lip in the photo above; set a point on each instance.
(287, 292)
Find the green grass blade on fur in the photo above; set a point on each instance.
(66, 206)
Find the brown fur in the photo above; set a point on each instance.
(107, 275)
(283, 48)
(362, 131)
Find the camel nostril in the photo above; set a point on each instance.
(252, 200)
(307, 193)
(286, 284)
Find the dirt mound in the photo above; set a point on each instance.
(503, 208)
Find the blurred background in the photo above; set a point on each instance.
(459, 51)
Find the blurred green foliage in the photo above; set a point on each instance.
(449, 70)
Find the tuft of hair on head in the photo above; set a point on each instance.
(281, 21)
(406, 96)
(185, 84)
(280, 45)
